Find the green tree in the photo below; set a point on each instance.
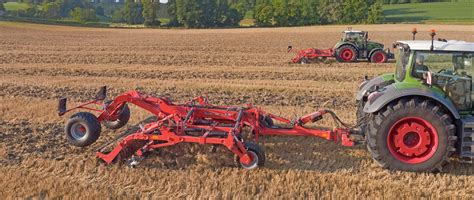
(171, 10)
(226, 15)
(118, 16)
(149, 12)
(84, 15)
(133, 12)
(51, 10)
(376, 13)
(331, 11)
(264, 15)
(307, 12)
(2, 8)
(280, 12)
(66, 6)
(188, 13)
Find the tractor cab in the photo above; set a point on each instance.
(355, 36)
(447, 66)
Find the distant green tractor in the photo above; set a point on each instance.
(419, 117)
(356, 45)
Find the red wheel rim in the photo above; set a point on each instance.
(412, 140)
(347, 54)
(379, 57)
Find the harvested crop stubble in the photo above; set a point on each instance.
(40, 63)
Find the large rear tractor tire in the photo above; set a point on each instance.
(411, 134)
(346, 53)
(82, 129)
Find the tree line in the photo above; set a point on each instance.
(213, 13)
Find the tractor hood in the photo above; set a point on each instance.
(375, 44)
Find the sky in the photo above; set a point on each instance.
(163, 1)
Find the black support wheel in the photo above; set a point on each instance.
(411, 134)
(304, 61)
(82, 129)
(256, 154)
(122, 118)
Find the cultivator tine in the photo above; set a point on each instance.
(62, 106)
(129, 149)
(125, 151)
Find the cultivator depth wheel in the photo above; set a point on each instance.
(256, 154)
(82, 129)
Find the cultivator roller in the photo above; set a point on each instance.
(192, 122)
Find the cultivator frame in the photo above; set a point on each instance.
(198, 122)
(305, 56)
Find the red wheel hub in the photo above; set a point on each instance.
(82, 129)
(412, 140)
(347, 54)
(379, 57)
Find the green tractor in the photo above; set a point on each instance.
(419, 117)
(356, 45)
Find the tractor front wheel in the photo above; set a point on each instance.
(346, 53)
(411, 135)
(378, 56)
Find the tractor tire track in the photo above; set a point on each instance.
(184, 75)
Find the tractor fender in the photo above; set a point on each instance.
(346, 43)
(372, 51)
(391, 93)
(368, 85)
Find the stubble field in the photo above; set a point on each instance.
(40, 63)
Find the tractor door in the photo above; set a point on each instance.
(464, 65)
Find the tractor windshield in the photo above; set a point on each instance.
(353, 36)
(451, 72)
(402, 60)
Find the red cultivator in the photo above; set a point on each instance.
(195, 121)
(310, 55)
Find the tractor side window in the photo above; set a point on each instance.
(452, 72)
(463, 64)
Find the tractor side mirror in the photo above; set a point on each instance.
(289, 48)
